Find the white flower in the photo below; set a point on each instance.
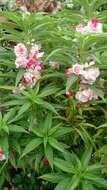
(86, 95)
(90, 75)
(80, 28)
(30, 78)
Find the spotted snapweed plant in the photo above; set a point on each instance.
(53, 97)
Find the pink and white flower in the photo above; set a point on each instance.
(2, 155)
(95, 26)
(30, 78)
(21, 62)
(80, 28)
(86, 95)
(31, 62)
(20, 50)
(77, 69)
(90, 75)
(35, 52)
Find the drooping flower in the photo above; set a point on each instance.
(86, 95)
(2, 155)
(21, 62)
(20, 50)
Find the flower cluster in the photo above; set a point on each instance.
(93, 25)
(88, 75)
(30, 61)
(2, 155)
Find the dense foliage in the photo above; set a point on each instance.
(53, 98)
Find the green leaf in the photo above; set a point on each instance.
(17, 129)
(49, 154)
(51, 54)
(62, 131)
(70, 81)
(94, 167)
(47, 123)
(22, 110)
(48, 90)
(64, 165)
(55, 144)
(54, 129)
(46, 105)
(74, 182)
(6, 129)
(9, 115)
(63, 184)
(87, 186)
(86, 156)
(53, 177)
(19, 76)
(37, 131)
(31, 146)
(98, 181)
(102, 126)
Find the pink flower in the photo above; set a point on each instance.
(80, 28)
(68, 72)
(94, 25)
(20, 50)
(31, 63)
(2, 155)
(69, 93)
(25, 81)
(35, 48)
(37, 55)
(21, 62)
(30, 78)
(35, 52)
(90, 75)
(86, 95)
(77, 69)
(39, 66)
